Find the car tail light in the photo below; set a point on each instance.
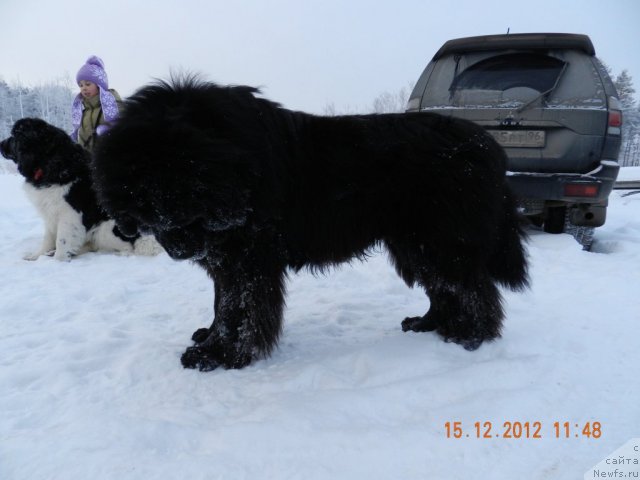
(615, 116)
(581, 190)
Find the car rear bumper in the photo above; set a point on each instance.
(553, 186)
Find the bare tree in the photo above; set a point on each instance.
(630, 149)
(388, 102)
(626, 92)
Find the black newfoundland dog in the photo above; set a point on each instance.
(248, 190)
(58, 182)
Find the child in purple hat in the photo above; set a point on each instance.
(96, 107)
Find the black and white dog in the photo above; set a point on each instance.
(58, 182)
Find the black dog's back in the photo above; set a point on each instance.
(382, 177)
(248, 189)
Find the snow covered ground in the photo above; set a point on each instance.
(629, 174)
(91, 385)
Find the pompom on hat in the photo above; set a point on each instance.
(93, 71)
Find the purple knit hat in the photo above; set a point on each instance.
(93, 71)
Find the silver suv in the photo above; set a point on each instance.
(550, 103)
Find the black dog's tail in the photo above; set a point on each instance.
(508, 262)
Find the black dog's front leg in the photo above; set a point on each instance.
(200, 335)
(249, 301)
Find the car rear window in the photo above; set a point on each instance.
(513, 79)
(538, 72)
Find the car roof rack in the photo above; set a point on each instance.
(517, 41)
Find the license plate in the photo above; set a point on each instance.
(519, 138)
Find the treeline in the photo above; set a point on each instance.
(50, 101)
(630, 151)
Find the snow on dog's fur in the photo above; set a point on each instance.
(58, 183)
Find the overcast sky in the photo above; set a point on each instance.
(304, 54)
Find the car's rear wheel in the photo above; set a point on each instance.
(582, 234)
(554, 219)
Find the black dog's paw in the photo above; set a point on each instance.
(469, 344)
(200, 358)
(200, 335)
(419, 324)
(207, 357)
(471, 339)
(429, 323)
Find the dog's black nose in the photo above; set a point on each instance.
(6, 148)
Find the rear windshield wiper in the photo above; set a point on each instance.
(546, 92)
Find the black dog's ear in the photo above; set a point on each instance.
(29, 135)
(53, 139)
(26, 128)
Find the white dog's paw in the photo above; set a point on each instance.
(34, 256)
(147, 245)
(63, 256)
